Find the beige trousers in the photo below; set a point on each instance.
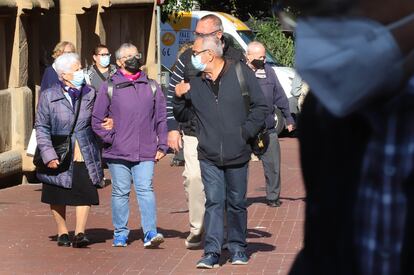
(193, 185)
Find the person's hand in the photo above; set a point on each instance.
(108, 123)
(159, 155)
(53, 164)
(174, 140)
(290, 127)
(182, 88)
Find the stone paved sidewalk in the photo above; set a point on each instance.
(27, 229)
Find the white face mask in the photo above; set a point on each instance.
(346, 61)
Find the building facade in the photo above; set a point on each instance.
(29, 30)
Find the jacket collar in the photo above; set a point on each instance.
(58, 94)
(118, 77)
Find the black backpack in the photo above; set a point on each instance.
(126, 84)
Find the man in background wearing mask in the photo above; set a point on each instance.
(215, 99)
(137, 140)
(102, 69)
(356, 136)
(275, 98)
(209, 25)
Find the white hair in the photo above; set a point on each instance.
(212, 43)
(64, 63)
(118, 53)
(254, 44)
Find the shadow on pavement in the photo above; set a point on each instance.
(171, 233)
(101, 235)
(259, 247)
(252, 200)
(262, 199)
(95, 235)
(293, 199)
(255, 233)
(251, 249)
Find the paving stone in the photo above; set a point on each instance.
(28, 239)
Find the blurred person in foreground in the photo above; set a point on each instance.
(214, 99)
(356, 137)
(275, 98)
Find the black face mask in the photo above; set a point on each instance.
(258, 63)
(132, 65)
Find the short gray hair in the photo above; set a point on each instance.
(215, 19)
(64, 63)
(118, 53)
(212, 43)
(254, 44)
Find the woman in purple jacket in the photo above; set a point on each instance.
(55, 115)
(137, 140)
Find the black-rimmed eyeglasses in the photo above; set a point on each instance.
(138, 56)
(195, 53)
(198, 34)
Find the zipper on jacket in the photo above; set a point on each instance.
(221, 136)
(218, 114)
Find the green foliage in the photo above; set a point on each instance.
(173, 7)
(269, 33)
(238, 8)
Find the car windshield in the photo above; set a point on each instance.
(248, 36)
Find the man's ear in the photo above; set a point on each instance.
(118, 62)
(212, 56)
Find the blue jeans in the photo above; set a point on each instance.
(225, 189)
(123, 172)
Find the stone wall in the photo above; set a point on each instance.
(29, 30)
(5, 121)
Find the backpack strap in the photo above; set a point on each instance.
(110, 89)
(243, 87)
(153, 86)
(87, 74)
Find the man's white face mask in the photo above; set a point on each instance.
(347, 60)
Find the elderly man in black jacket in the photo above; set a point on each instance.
(209, 25)
(275, 98)
(224, 127)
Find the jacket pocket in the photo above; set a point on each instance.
(234, 144)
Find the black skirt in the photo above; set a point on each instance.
(83, 192)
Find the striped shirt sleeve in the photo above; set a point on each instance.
(176, 77)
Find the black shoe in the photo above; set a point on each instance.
(80, 241)
(209, 260)
(63, 240)
(274, 203)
